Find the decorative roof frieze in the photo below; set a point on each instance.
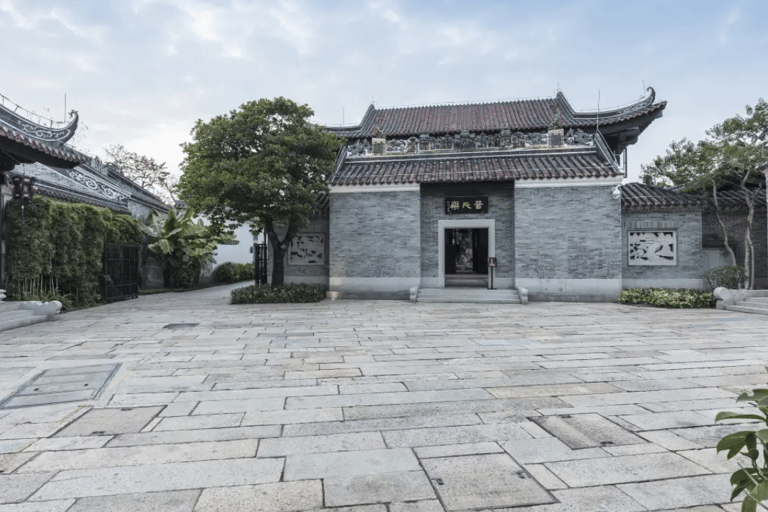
(470, 141)
(96, 186)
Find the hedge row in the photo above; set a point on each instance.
(56, 249)
(668, 297)
(287, 293)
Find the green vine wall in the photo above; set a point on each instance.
(57, 252)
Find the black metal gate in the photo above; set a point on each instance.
(121, 272)
(260, 257)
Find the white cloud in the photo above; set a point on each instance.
(733, 17)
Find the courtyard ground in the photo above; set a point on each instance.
(181, 402)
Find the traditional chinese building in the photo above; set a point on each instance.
(34, 151)
(429, 197)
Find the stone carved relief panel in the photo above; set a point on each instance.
(307, 249)
(652, 248)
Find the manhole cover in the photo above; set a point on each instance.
(60, 385)
(179, 326)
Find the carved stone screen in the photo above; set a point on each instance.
(307, 249)
(652, 248)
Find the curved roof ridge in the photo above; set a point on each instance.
(515, 115)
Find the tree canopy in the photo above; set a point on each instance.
(144, 171)
(264, 162)
(733, 153)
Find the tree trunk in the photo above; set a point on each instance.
(722, 227)
(749, 253)
(279, 249)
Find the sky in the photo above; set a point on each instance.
(142, 72)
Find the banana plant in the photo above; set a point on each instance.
(179, 241)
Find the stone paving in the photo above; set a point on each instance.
(376, 406)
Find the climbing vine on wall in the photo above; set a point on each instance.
(57, 252)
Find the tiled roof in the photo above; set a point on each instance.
(639, 195)
(60, 153)
(452, 167)
(734, 199)
(520, 115)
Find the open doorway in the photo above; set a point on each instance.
(466, 257)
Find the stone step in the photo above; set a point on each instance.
(20, 321)
(752, 303)
(16, 313)
(747, 309)
(476, 296)
(757, 293)
(8, 306)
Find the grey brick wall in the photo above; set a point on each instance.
(374, 234)
(567, 233)
(501, 207)
(687, 225)
(736, 223)
(299, 273)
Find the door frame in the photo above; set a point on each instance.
(442, 225)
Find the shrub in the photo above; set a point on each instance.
(727, 276)
(245, 271)
(287, 293)
(751, 479)
(225, 273)
(668, 297)
(233, 272)
(185, 276)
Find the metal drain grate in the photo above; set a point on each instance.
(61, 385)
(179, 326)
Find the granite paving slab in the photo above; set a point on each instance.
(586, 430)
(141, 455)
(46, 506)
(159, 478)
(630, 468)
(349, 464)
(380, 488)
(680, 492)
(170, 501)
(110, 421)
(15, 488)
(483, 481)
(276, 497)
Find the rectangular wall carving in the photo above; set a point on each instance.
(653, 248)
(307, 249)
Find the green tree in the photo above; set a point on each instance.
(265, 163)
(734, 152)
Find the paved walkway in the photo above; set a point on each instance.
(182, 402)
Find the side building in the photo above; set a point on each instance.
(36, 152)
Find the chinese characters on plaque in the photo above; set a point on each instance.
(474, 204)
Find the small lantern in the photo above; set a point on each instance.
(23, 187)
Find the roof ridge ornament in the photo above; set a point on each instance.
(47, 134)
